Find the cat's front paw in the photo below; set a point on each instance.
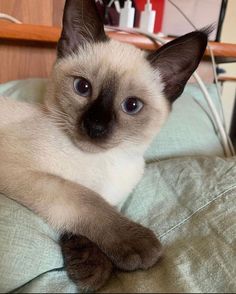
(133, 247)
(86, 265)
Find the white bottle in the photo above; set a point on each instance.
(148, 17)
(127, 15)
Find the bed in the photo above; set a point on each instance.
(187, 195)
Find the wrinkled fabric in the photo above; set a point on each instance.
(189, 203)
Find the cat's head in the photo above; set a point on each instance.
(104, 93)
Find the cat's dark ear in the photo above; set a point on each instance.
(81, 24)
(177, 60)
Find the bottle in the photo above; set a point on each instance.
(147, 20)
(127, 15)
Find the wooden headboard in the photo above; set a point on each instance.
(28, 50)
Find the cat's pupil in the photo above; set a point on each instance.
(131, 104)
(82, 87)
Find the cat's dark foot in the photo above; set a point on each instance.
(132, 247)
(86, 265)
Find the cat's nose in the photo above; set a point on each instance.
(98, 120)
(95, 129)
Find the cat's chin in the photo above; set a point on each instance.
(89, 147)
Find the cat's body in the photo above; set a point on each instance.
(80, 154)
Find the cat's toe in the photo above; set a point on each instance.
(86, 265)
(135, 247)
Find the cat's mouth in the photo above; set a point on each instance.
(89, 146)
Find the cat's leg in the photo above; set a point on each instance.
(71, 208)
(85, 263)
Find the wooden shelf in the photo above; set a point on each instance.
(225, 78)
(48, 36)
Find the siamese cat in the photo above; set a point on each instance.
(74, 159)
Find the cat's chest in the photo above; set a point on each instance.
(113, 175)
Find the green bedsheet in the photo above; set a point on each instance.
(188, 202)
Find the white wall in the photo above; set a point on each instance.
(201, 13)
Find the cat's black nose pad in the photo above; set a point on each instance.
(95, 129)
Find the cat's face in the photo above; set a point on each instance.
(106, 94)
(110, 95)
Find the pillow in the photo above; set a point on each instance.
(188, 131)
(192, 211)
(29, 90)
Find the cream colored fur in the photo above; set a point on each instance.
(42, 164)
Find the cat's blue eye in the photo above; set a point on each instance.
(131, 105)
(82, 87)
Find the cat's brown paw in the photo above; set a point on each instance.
(133, 247)
(86, 265)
